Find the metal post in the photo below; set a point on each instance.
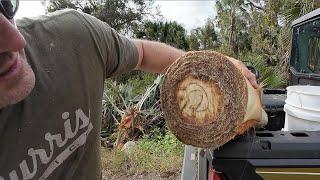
(189, 170)
(202, 164)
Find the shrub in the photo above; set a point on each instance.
(157, 154)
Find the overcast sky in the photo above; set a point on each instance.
(189, 13)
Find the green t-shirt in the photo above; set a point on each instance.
(54, 132)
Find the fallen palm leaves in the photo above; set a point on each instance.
(137, 114)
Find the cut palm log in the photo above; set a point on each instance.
(207, 101)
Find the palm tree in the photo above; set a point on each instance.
(293, 10)
(170, 33)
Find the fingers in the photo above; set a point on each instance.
(245, 71)
(251, 77)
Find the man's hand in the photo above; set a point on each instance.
(245, 71)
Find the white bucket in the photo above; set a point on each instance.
(302, 108)
(301, 119)
(305, 97)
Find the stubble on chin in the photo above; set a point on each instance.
(23, 88)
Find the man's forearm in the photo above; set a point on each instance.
(155, 57)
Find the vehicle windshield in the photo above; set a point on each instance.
(306, 47)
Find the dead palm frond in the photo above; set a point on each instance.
(132, 111)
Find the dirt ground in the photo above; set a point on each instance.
(152, 176)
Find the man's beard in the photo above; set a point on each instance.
(23, 87)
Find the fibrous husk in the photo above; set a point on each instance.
(207, 101)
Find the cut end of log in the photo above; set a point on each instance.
(207, 101)
(242, 128)
(204, 99)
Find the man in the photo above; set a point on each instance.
(52, 72)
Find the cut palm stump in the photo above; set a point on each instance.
(207, 101)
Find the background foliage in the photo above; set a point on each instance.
(255, 31)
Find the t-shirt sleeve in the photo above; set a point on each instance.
(117, 52)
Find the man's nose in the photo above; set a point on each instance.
(11, 39)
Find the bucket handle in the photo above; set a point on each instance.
(300, 101)
(299, 97)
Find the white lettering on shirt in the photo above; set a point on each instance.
(29, 171)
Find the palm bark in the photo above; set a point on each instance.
(207, 101)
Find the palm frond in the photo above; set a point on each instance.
(149, 90)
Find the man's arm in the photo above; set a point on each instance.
(155, 57)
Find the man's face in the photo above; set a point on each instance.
(16, 76)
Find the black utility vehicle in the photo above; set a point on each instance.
(270, 153)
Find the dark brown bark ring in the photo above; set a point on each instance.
(204, 99)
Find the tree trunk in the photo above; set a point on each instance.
(207, 101)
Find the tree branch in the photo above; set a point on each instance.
(252, 4)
